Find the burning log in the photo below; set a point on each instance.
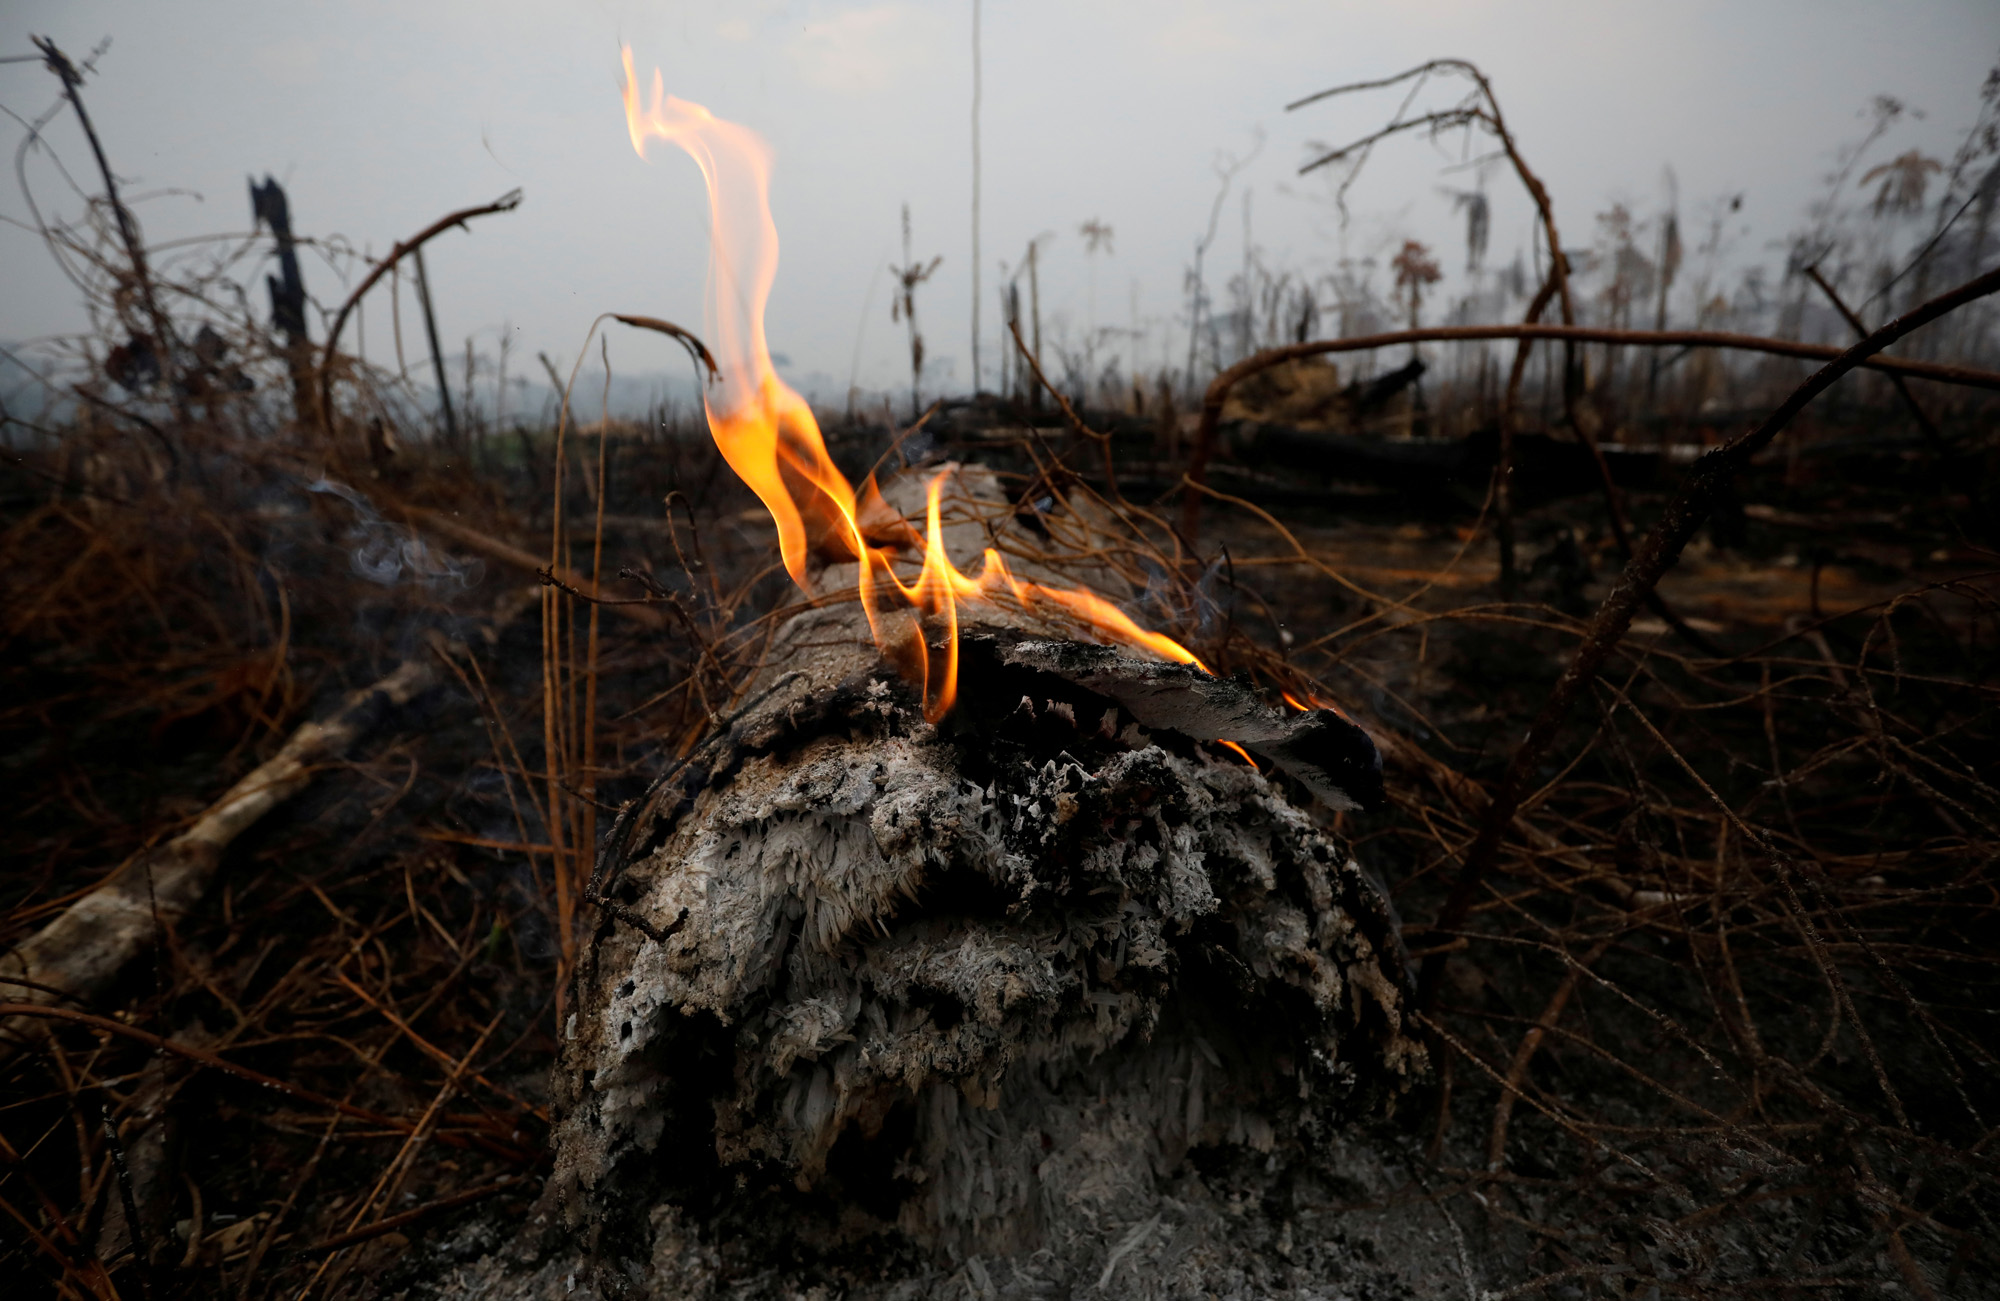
(878, 995)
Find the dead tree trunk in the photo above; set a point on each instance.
(1024, 1002)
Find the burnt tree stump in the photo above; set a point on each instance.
(1034, 1000)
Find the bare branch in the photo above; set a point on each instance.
(505, 203)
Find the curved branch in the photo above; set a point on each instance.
(505, 203)
(695, 347)
(1458, 65)
(128, 229)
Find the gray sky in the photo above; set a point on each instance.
(379, 117)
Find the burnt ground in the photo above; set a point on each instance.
(1722, 1021)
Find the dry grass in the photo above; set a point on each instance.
(1720, 1020)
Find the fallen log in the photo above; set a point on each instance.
(1029, 996)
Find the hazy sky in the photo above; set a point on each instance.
(379, 117)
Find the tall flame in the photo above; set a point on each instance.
(768, 435)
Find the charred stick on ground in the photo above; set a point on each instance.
(79, 953)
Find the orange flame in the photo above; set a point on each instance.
(1313, 701)
(769, 437)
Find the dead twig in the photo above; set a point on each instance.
(696, 349)
(392, 1178)
(1510, 414)
(1075, 421)
(1917, 412)
(642, 613)
(1517, 1071)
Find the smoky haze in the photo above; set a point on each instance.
(380, 117)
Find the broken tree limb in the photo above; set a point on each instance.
(85, 948)
(269, 206)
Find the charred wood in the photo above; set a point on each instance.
(873, 998)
